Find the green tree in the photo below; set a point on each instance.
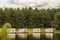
(5, 31)
(56, 21)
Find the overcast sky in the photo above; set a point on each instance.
(30, 3)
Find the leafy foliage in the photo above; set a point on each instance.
(28, 17)
(4, 31)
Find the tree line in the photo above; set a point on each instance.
(30, 18)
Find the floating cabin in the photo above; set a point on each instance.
(35, 32)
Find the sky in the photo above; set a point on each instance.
(30, 3)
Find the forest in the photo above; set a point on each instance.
(30, 18)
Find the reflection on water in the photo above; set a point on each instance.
(57, 36)
(49, 33)
(36, 34)
(22, 33)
